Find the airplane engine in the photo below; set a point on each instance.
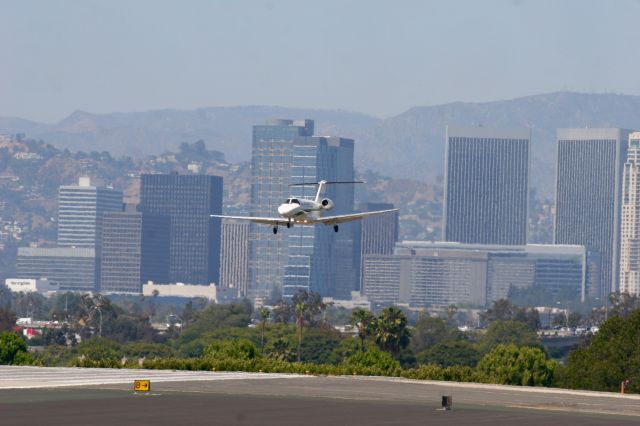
(326, 203)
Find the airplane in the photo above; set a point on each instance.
(303, 211)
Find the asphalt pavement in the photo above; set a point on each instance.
(33, 396)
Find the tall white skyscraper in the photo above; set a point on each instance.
(486, 185)
(588, 196)
(630, 222)
(80, 211)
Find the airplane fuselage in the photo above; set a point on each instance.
(301, 210)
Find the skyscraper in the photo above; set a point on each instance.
(303, 257)
(234, 257)
(80, 211)
(630, 223)
(271, 157)
(318, 258)
(486, 185)
(135, 250)
(588, 196)
(188, 201)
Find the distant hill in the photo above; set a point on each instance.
(227, 129)
(409, 145)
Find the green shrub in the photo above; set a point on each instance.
(13, 350)
(513, 365)
(231, 350)
(373, 363)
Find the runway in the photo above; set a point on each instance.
(61, 396)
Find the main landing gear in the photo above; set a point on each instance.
(275, 229)
(335, 228)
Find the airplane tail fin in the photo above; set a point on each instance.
(322, 186)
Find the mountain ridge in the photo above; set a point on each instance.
(407, 145)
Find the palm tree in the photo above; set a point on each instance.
(301, 309)
(391, 330)
(363, 320)
(264, 317)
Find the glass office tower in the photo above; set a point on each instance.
(188, 201)
(486, 185)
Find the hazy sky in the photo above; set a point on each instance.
(377, 57)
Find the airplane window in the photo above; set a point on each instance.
(287, 201)
(295, 201)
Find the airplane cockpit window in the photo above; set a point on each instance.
(295, 201)
(287, 201)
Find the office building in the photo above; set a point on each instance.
(377, 234)
(188, 201)
(320, 259)
(590, 166)
(486, 185)
(272, 154)
(80, 211)
(135, 250)
(74, 269)
(425, 274)
(234, 257)
(303, 257)
(630, 222)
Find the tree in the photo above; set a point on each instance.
(13, 349)
(430, 331)
(612, 356)
(7, 319)
(501, 310)
(508, 332)
(451, 352)
(100, 349)
(363, 320)
(373, 362)
(241, 349)
(391, 332)
(574, 319)
(513, 365)
(280, 349)
(264, 317)
(301, 310)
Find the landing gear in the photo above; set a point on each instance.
(275, 229)
(335, 228)
(289, 225)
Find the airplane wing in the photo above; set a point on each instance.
(274, 221)
(333, 220)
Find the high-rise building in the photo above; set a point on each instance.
(423, 274)
(590, 165)
(486, 185)
(377, 234)
(73, 269)
(135, 250)
(271, 157)
(188, 201)
(234, 257)
(630, 223)
(304, 257)
(318, 258)
(80, 211)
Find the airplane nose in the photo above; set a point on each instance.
(283, 209)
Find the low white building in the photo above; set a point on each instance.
(211, 292)
(29, 285)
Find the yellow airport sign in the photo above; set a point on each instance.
(142, 385)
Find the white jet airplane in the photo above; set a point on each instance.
(303, 211)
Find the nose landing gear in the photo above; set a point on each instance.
(335, 228)
(275, 229)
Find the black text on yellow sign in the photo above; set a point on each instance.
(142, 385)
